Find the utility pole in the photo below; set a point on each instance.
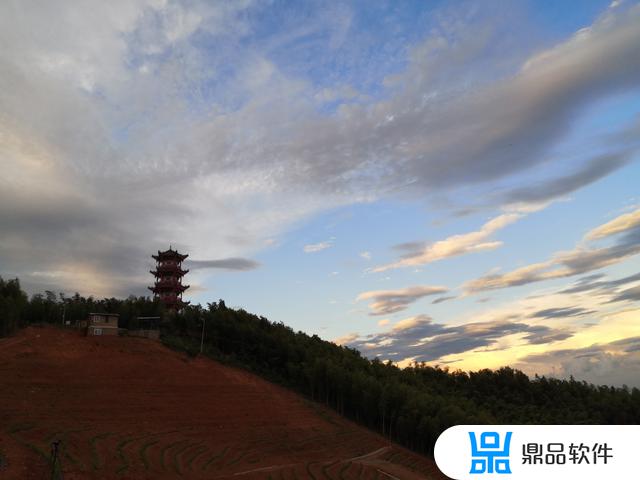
(204, 321)
(64, 307)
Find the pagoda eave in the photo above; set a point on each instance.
(175, 271)
(168, 288)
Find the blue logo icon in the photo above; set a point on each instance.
(490, 458)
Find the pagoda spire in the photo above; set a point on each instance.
(168, 275)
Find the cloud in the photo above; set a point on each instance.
(365, 255)
(391, 301)
(443, 299)
(629, 295)
(422, 340)
(452, 246)
(619, 224)
(578, 261)
(143, 134)
(546, 190)
(233, 263)
(509, 125)
(613, 363)
(562, 312)
(317, 247)
(350, 337)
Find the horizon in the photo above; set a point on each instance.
(455, 184)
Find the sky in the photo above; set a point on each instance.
(455, 183)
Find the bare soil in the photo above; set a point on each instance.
(129, 408)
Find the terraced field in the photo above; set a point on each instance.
(128, 408)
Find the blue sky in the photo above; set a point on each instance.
(449, 182)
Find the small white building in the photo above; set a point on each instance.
(101, 324)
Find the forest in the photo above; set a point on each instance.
(411, 406)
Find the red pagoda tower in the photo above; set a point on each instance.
(168, 287)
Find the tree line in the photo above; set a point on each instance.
(17, 310)
(411, 406)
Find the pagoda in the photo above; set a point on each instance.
(168, 286)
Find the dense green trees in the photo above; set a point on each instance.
(411, 406)
(13, 305)
(17, 310)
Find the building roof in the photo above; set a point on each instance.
(106, 314)
(168, 287)
(165, 269)
(169, 254)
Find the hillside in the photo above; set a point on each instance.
(131, 408)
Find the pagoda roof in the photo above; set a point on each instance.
(168, 269)
(169, 254)
(168, 287)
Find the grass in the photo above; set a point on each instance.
(68, 442)
(343, 470)
(123, 458)
(327, 467)
(176, 461)
(143, 453)
(24, 427)
(95, 458)
(164, 449)
(215, 457)
(19, 427)
(197, 452)
(239, 457)
(308, 467)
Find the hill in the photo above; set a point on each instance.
(132, 408)
(409, 406)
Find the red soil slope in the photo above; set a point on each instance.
(129, 408)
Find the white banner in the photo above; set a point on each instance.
(534, 452)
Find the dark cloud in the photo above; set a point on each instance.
(593, 283)
(409, 247)
(443, 299)
(592, 171)
(391, 301)
(420, 338)
(561, 312)
(629, 295)
(234, 263)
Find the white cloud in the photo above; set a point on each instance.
(581, 259)
(619, 224)
(455, 245)
(317, 247)
(350, 337)
(138, 135)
